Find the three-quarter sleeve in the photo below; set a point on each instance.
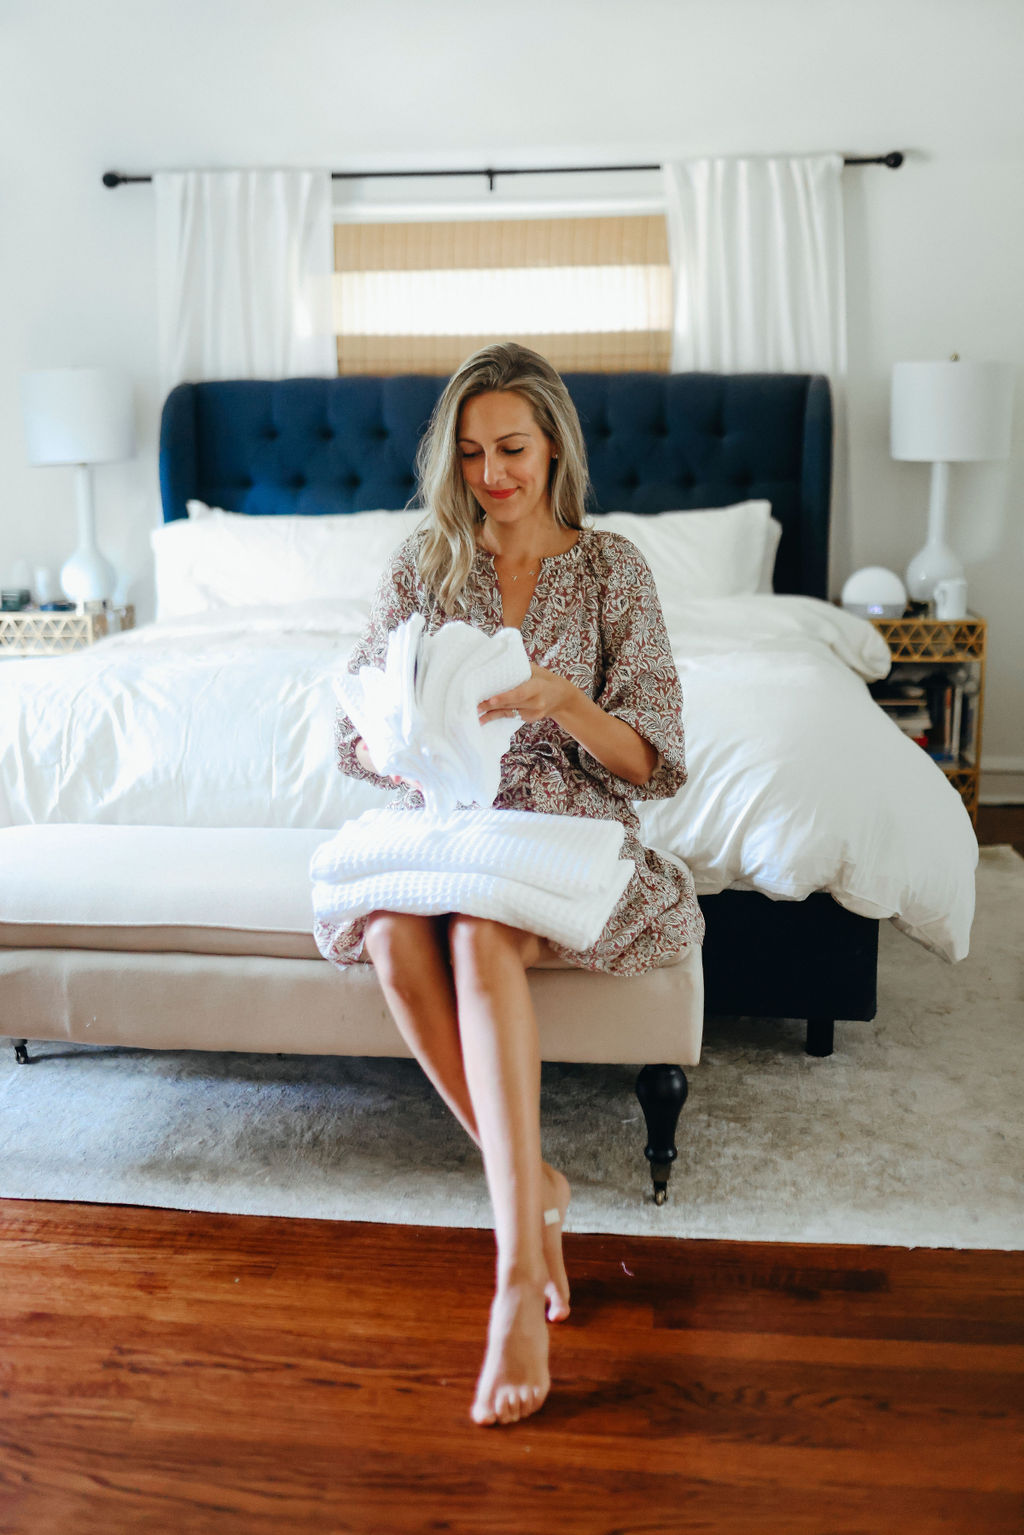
(398, 596)
(641, 683)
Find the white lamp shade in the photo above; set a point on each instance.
(951, 412)
(78, 416)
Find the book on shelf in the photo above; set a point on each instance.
(890, 694)
(967, 728)
(935, 706)
(916, 726)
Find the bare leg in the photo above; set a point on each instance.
(501, 1054)
(411, 957)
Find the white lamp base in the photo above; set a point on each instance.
(935, 562)
(87, 576)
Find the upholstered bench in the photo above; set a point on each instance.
(189, 938)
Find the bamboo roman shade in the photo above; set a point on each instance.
(590, 294)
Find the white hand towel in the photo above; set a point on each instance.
(418, 716)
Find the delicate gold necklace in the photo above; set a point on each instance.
(522, 572)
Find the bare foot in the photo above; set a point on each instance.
(556, 1197)
(514, 1380)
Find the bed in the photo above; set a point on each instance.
(808, 817)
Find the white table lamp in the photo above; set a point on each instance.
(80, 416)
(943, 413)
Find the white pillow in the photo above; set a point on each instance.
(771, 549)
(217, 559)
(722, 552)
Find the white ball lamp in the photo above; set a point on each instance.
(943, 413)
(875, 592)
(80, 416)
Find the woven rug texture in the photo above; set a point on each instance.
(909, 1134)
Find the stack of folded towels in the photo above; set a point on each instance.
(559, 876)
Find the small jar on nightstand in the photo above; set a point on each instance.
(42, 632)
(935, 692)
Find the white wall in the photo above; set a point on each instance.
(137, 85)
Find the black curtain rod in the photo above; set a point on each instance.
(893, 161)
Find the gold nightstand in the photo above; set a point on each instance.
(928, 646)
(35, 633)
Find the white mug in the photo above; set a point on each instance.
(951, 598)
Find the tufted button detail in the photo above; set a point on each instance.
(352, 482)
(298, 481)
(271, 434)
(326, 435)
(631, 480)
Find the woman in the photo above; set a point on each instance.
(503, 477)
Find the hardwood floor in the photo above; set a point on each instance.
(170, 1371)
(167, 1371)
(1001, 823)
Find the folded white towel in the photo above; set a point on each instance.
(559, 876)
(419, 718)
(570, 920)
(564, 855)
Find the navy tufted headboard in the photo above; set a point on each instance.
(655, 442)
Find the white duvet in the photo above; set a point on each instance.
(797, 780)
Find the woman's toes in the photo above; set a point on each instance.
(515, 1364)
(558, 1306)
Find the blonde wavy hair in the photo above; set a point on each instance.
(453, 513)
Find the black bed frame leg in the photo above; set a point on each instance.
(820, 1036)
(662, 1092)
(21, 1054)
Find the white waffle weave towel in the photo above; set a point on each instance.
(559, 876)
(418, 716)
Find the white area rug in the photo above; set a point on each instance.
(910, 1134)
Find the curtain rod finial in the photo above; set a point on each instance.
(112, 179)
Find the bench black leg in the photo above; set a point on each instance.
(662, 1092)
(820, 1036)
(21, 1054)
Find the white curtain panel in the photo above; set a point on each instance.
(759, 277)
(244, 268)
(758, 266)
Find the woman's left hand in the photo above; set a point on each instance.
(544, 694)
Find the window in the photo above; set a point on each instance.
(590, 294)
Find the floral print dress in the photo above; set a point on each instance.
(595, 619)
